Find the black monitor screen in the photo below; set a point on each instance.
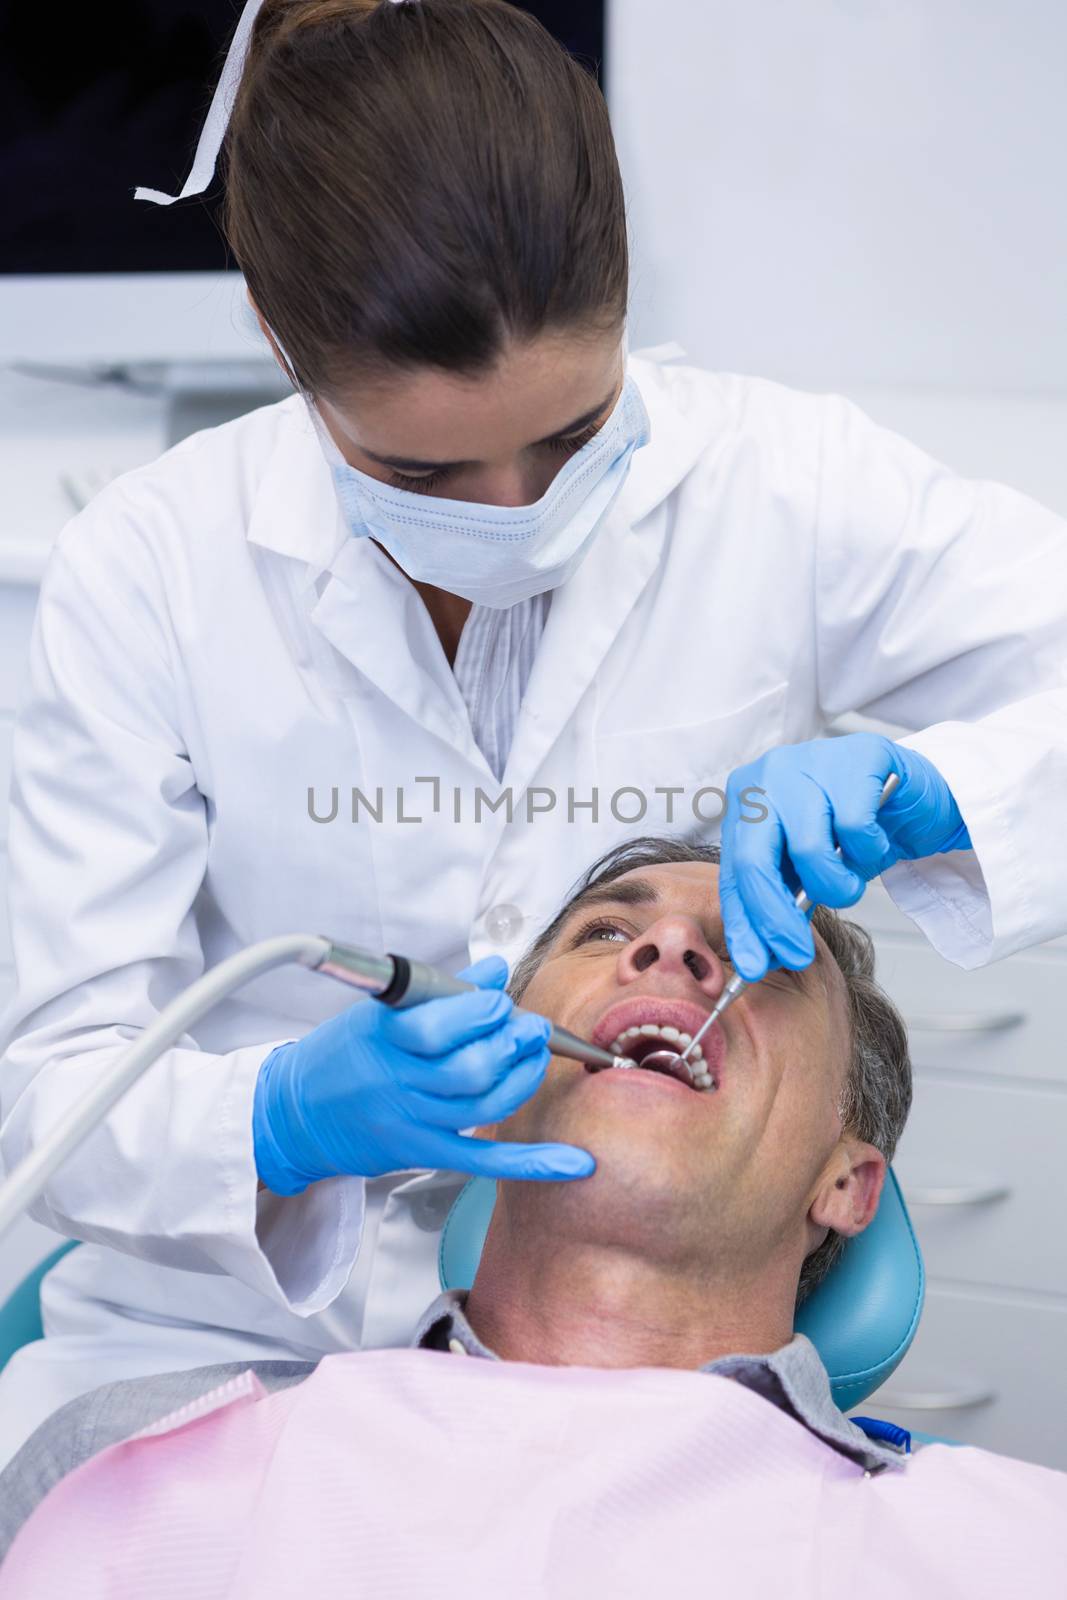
(96, 99)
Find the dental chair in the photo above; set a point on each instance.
(862, 1317)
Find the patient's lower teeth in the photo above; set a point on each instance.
(670, 1065)
(630, 1045)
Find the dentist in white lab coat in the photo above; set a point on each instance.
(482, 550)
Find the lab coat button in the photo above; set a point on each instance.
(503, 923)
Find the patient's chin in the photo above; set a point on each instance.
(651, 1203)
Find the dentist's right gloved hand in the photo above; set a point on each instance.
(374, 1090)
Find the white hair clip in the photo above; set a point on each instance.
(218, 114)
(217, 119)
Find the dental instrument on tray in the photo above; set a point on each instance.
(737, 983)
(394, 980)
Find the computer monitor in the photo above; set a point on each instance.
(94, 100)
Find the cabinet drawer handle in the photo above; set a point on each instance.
(961, 1195)
(935, 1399)
(967, 1021)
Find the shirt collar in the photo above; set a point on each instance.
(792, 1378)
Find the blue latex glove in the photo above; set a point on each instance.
(375, 1090)
(820, 795)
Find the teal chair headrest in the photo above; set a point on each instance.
(861, 1318)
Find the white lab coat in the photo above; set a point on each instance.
(211, 643)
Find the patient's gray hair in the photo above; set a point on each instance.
(877, 1092)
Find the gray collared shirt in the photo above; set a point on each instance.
(792, 1378)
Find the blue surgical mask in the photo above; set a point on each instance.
(496, 555)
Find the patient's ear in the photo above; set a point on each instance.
(850, 1188)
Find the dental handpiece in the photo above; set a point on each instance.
(400, 982)
(392, 979)
(803, 903)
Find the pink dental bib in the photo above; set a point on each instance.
(394, 1473)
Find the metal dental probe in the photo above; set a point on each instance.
(737, 983)
(400, 982)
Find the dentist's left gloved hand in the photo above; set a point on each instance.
(819, 795)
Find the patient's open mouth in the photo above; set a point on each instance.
(652, 1030)
(657, 1049)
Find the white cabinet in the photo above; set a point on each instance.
(983, 1166)
(985, 1369)
(1001, 1019)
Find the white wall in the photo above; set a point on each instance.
(842, 192)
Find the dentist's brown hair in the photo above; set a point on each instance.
(418, 183)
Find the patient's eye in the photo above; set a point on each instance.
(601, 930)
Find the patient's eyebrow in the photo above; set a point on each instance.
(628, 892)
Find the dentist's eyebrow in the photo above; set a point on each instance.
(408, 464)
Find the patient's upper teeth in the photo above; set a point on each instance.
(630, 1033)
(685, 1038)
(670, 1033)
(649, 1027)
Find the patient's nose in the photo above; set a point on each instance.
(676, 946)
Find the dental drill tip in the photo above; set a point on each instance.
(605, 1066)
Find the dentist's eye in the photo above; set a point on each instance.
(570, 445)
(601, 931)
(423, 485)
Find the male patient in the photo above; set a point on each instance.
(642, 1414)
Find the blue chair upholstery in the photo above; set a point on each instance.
(20, 1315)
(861, 1318)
